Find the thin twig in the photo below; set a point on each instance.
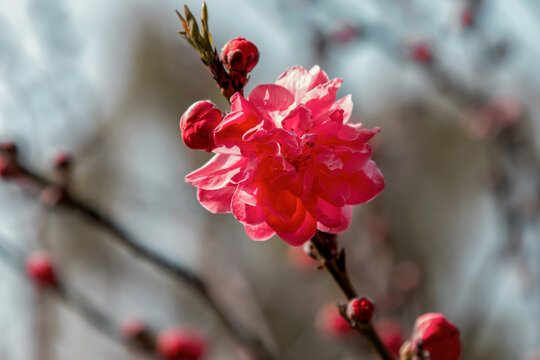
(325, 246)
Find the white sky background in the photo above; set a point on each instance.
(99, 39)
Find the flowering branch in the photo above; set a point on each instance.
(325, 249)
(57, 195)
(78, 303)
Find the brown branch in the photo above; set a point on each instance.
(325, 249)
(58, 196)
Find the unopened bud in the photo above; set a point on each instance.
(360, 311)
(198, 124)
(239, 56)
(421, 53)
(8, 165)
(178, 343)
(62, 160)
(467, 18)
(435, 338)
(40, 269)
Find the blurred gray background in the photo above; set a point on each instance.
(108, 80)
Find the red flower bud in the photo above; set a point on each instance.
(40, 269)
(239, 56)
(198, 124)
(180, 344)
(62, 160)
(360, 310)
(8, 153)
(467, 18)
(421, 53)
(4, 166)
(435, 338)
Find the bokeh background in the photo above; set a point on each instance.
(455, 231)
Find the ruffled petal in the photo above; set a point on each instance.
(344, 223)
(216, 201)
(366, 184)
(271, 97)
(299, 80)
(259, 232)
(325, 213)
(246, 207)
(230, 131)
(322, 97)
(217, 172)
(345, 104)
(305, 232)
(298, 120)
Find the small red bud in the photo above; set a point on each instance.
(239, 56)
(4, 166)
(421, 53)
(435, 338)
(198, 124)
(62, 160)
(360, 311)
(180, 344)
(40, 269)
(467, 18)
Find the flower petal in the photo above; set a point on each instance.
(366, 184)
(216, 201)
(217, 172)
(259, 232)
(271, 97)
(346, 216)
(299, 80)
(230, 131)
(305, 232)
(246, 207)
(298, 120)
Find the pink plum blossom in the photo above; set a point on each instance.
(287, 161)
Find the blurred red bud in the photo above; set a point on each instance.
(435, 338)
(421, 53)
(40, 270)
(198, 124)
(467, 18)
(180, 344)
(62, 160)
